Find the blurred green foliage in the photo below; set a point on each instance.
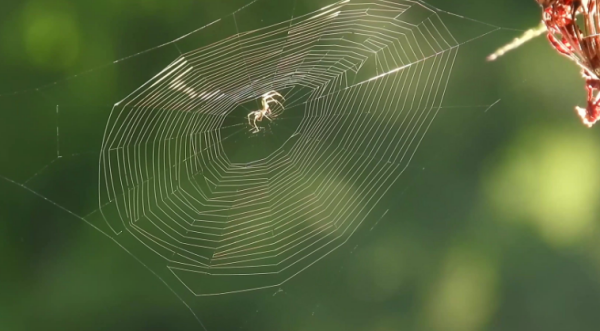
(493, 227)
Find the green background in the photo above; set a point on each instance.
(494, 226)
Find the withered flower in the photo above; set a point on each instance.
(580, 43)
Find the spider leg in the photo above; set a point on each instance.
(256, 129)
(252, 121)
(271, 94)
(271, 100)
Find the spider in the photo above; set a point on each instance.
(265, 112)
(582, 46)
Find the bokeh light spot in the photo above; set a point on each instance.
(549, 179)
(51, 35)
(464, 297)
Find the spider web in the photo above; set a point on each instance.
(211, 208)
